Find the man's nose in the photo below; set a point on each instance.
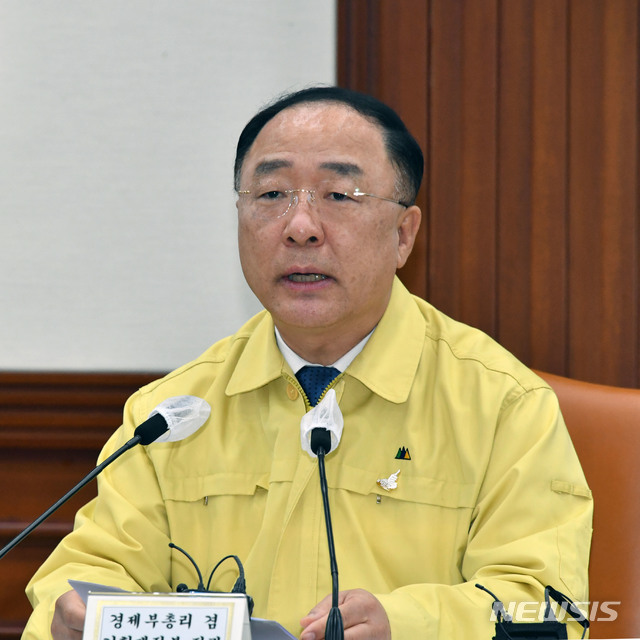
(304, 224)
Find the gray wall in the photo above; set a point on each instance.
(118, 122)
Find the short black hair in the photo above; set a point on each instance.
(404, 151)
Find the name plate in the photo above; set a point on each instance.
(166, 616)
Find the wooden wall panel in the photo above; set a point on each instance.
(52, 427)
(532, 186)
(515, 151)
(603, 206)
(546, 326)
(462, 184)
(531, 195)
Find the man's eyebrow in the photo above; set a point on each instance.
(342, 168)
(269, 166)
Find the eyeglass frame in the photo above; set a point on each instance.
(311, 192)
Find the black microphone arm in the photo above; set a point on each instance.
(320, 445)
(149, 431)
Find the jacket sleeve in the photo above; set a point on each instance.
(531, 527)
(118, 540)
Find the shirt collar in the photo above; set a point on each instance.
(296, 362)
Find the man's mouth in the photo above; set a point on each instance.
(306, 277)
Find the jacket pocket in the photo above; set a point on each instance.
(411, 488)
(193, 489)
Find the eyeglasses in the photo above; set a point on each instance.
(331, 200)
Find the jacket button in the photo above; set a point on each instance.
(292, 392)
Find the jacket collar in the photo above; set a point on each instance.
(389, 361)
(387, 365)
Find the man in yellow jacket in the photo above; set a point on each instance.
(489, 488)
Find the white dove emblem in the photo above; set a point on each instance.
(389, 483)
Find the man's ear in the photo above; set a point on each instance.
(408, 225)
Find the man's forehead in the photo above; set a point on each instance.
(331, 120)
(338, 138)
(306, 113)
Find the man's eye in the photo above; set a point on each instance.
(337, 196)
(271, 195)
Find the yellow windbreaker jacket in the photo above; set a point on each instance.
(490, 489)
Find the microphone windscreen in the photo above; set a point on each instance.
(184, 416)
(325, 415)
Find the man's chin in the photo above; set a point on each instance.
(307, 317)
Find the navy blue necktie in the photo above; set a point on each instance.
(315, 379)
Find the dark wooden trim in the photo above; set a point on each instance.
(52, 427)
(63, 410)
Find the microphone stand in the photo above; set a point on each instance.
(321, 443)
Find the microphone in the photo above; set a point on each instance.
(321, 445)
(320, 441)
(328, 417)
(172, 420)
